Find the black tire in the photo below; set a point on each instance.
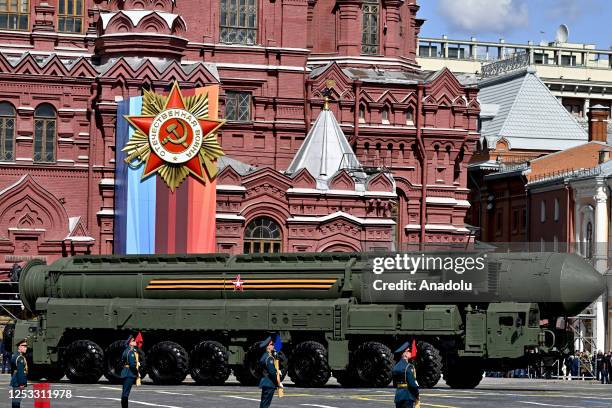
(114, 362)
(208, 363)
(308, 365)
(249, 372)
(462, 373)
(167, 363)
(371, 364)
(428, 365)
(83, 362)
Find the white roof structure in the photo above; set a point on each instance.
(325, 151)
(520, 108)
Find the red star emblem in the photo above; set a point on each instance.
(174, 137)
(238, 283)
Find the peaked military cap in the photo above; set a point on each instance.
(264, 343)
(403, 347)
(23, 342)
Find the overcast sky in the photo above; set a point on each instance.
(589, 21)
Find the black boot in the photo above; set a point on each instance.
(124, 402)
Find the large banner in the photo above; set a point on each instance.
(165, 191)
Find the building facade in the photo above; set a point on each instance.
(64, 65)
(579, 75)
(520, 121)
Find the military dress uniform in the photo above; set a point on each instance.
(268, 382)
(19, 379)
(129, 373)
(404, 378)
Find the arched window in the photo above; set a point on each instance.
(14, 15)
(7, 132)
(385, 116)
(238, 22)
(262, 235)
(45, 130)
(362, 114)
(369, 28)
(410, 117)
(70, 16)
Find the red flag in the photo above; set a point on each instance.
(413, 349)
(138, 340)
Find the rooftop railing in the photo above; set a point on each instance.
(555, 54)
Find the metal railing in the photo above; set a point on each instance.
(552, 54)
(10, 303)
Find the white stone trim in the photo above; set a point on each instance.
(45, 53)
(249, 47)
(142, 35)
(107, 182)
(106, 211)
(260, 66)
(436, 227)
(27, 229)
(350, 193)
(15, 45)
(80, 239)
(341, 214)
(360, 60)
(440, 227)
(71, 110)
(136, 16)
(229, 217)
(83, 157)
(229, 187)
(447, 201)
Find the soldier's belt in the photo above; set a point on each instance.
(401, 385)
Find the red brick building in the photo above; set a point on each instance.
(65, 64)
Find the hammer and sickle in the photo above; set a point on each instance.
(178, 139)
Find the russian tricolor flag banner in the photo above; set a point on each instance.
(165, 190)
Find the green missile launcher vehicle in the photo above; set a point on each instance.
(202, 315)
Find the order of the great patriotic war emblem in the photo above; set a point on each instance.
(174, 137)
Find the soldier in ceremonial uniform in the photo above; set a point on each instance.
(404, 378)
(270, 379)
(130, 370)
(19, 379)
